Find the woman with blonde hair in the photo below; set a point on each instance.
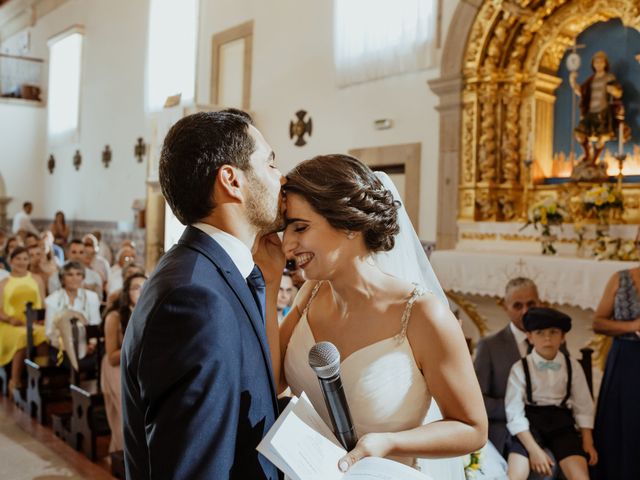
(20, 288)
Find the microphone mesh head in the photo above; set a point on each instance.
(324, 358)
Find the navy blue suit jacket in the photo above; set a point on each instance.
(197, 387)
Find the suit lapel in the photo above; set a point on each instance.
(203, 243)
(510, 346)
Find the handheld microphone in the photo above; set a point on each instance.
(324, 358)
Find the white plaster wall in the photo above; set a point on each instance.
(111, 112)
(22, 155)
(293, 70)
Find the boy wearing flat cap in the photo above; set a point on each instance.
(547, 396)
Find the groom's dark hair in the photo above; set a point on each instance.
(193, 151)
(349, 196)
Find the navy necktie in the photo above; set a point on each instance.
(258, 288)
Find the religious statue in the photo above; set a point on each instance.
(601, 115)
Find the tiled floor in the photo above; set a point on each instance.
(29, 451)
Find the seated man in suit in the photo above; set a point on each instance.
(496, 354)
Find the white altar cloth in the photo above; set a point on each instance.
(561, 280)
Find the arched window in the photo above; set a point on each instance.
(379, 38)
(65, 69)
(171, 61)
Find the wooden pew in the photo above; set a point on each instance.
(87, 420)
(47, 383)
(5, 376)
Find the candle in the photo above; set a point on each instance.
(620, 137)
(530, 147)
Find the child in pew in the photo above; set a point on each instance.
(547, 395)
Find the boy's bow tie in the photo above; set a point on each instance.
(548, 365)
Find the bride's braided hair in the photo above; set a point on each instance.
(349, 195)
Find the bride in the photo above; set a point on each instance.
(371, 292)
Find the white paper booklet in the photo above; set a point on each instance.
(304, 448)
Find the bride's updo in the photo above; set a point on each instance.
(349, 195)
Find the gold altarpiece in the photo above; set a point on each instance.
(510, 66)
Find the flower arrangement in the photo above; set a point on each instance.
(546, 213)
(607, 248)
(472, 465)
(600, 201)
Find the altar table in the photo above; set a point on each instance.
(561, 280)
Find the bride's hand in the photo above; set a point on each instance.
(270, 258)
(369, 445)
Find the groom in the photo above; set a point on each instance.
(197, 386)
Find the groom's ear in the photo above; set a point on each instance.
(228, 184)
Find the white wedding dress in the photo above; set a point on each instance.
(385, 389)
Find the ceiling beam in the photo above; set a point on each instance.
(16, 15)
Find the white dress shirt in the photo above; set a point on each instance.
(22, 221)
(238, 251)
(86, 302)
(548, 387)
(101, 266)
(115, 279)
(521, 339)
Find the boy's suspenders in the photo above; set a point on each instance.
(527, 377)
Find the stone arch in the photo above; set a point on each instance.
(448, 88)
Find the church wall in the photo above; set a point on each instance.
(22, 154)
(111, 112)
(293, 70)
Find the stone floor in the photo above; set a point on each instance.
(29, 451)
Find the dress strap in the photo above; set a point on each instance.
(417, 292)
(314, 292)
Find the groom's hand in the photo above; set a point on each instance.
(369, 445)
(270, 258)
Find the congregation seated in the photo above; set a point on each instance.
(60, 229)
(95, 261)
(103, 247)
(92, 280)
(128, 270)
(51, 249)
(29, 239)
(12, 243)
(39, 264)
(286, 294)
(22, 220)
(20, 288)
(125, 255)
(4, 265)
(115, 324)
(71, 297)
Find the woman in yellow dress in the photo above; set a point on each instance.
(16, 291)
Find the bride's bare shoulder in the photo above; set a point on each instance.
(429, 313)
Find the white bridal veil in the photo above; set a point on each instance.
(407, 259)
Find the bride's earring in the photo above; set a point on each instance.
(351, 235)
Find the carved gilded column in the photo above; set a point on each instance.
(154, 220)
(544, 100)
